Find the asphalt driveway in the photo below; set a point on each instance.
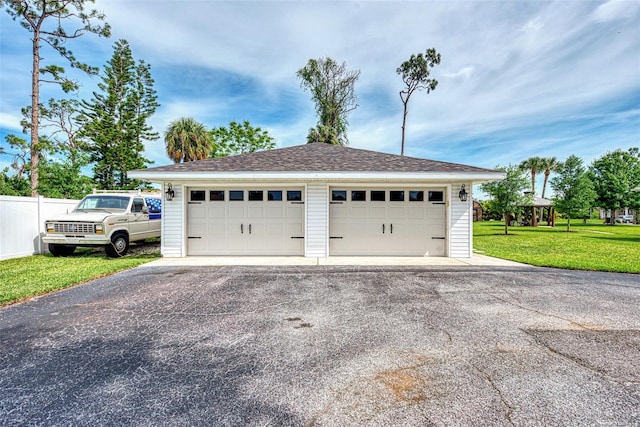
(326, 346)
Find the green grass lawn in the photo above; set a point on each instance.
(21, 278)
(591, 246)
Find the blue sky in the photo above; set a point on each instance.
(517, 78)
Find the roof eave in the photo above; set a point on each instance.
(160, 176)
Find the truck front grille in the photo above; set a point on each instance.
(74, 227)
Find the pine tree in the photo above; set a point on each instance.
(115, 120)
(52, 23)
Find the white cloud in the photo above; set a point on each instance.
(464, 72)
(10, 121)
(616, 9)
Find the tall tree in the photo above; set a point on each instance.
(507, 195)
(59, 115)
(115, 120)
(615, 175)
(548, 164)
(61, 171)
(574, 190)
(21, 156)
(534, 165)
(239, 139)
(46, 20)
(415, 75)
(61, 118)
(62, 152)
(332, 89)
(187, 140)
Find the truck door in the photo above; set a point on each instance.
(139, 224)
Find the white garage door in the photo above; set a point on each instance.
(241, 221)
(396, 222)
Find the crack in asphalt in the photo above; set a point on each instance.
(494, 386)
(574, 359)
(533, 310)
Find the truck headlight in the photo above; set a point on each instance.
(49, 227)
(99, 229)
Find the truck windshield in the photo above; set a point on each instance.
(103, 203)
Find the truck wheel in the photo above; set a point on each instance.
(119, 245)
(61, 250)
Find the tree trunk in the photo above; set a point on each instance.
(35, 113)
(404, 122)
(544, 188)
(506, 224)
(534, 221)
(568, 224)
(533, 182)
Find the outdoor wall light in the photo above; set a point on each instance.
(462, 194)
(169, 193)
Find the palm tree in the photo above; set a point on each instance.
(187, 140)
(534, 164)
(549, 164)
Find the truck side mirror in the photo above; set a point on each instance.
(145, 210)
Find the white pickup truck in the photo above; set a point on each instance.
(112, 220)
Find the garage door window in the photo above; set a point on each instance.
(255, 196)
(338, 195)
(197, 195)
(358, 196)
(294, 196)
(216, 196)
(236, 195)
(274, 195)
(436, 196)
(396, 196)
(416, 196)
(377, 196)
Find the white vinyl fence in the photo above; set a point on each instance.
(22, 223)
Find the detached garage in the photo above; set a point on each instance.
(317, 200)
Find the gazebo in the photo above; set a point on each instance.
(544, 204)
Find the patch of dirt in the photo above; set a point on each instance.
(135, 249)
(145, 248)
(406, 386)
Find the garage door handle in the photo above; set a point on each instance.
(297, 237)
(194, 237)
(438, 238)
(241, 228)
(249, 228)
(391, 228)
(382, 228)
(335, 237)
(438, 203)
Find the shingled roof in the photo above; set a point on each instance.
(318, 157)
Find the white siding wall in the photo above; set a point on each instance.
(316, 239)
(317, 211)
(460, 234)
(173, 221)
(22, 223)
